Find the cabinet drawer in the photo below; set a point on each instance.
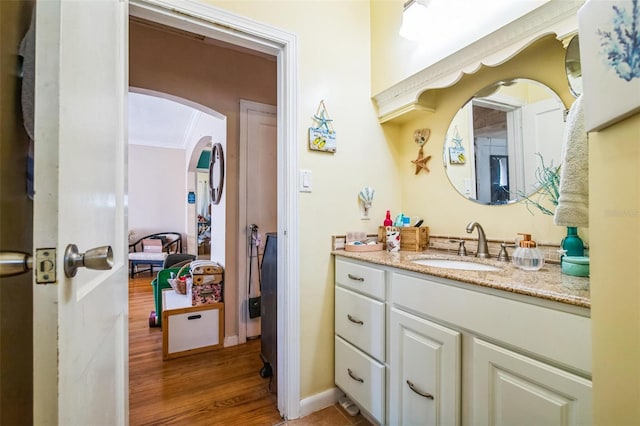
(360, 320)
(361, 377)
(361, 278)
(192, 330)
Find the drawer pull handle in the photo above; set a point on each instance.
(355, 277)
(413, 388)
(192, 317)
(354, 377)
(352, 319)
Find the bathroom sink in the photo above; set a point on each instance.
(455, 264)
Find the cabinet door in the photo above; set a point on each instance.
(510, 388)
(424, 372)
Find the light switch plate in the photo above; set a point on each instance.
(305, 181)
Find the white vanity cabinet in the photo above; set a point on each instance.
(424, 379)
(360, 340)
(524, 358)
(457, 353)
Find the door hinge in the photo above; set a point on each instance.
(45, 266)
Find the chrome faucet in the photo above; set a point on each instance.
(483, 250)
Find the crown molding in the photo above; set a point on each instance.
(557, 17)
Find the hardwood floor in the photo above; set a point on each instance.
(220, 387)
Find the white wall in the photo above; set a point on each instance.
(157, 197)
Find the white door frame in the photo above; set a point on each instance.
(222, 25)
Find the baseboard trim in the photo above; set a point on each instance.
(230, 341)
(319, 401)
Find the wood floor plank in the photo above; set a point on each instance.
(221, 387)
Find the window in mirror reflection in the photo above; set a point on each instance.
(502, 129)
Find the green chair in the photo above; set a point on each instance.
(160, 283)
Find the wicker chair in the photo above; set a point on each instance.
(152, 250)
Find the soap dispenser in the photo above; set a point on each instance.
(527, 256)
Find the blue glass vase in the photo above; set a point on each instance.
(572, 242)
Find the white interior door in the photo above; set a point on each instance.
(80, 323)
(259, 154)
(542, 132)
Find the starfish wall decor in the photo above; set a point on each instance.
(420, 137)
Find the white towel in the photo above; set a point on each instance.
(573, 203)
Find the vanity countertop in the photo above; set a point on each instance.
(547, 283)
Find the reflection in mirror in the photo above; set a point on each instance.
(573, 67)
(491, 147)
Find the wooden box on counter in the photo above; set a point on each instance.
(411, 238)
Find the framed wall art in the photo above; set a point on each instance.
(609, 34)
(323, 136)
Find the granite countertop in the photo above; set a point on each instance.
(546, 283)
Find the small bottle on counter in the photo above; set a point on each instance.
(527, 256)
(387, 220)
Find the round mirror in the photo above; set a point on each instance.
(573, 68)
(498, 141)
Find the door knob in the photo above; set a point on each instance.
(100, 258)
(14, 263)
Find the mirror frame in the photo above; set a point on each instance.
(573, 66)
(216, 182)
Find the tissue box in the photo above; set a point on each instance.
(411, 238)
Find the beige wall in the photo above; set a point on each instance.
(334, 66)
(217, 78)
(157, 198)
(614, 215)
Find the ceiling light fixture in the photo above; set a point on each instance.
(413, 19)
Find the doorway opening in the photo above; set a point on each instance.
(166, 147)
(219, 26)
